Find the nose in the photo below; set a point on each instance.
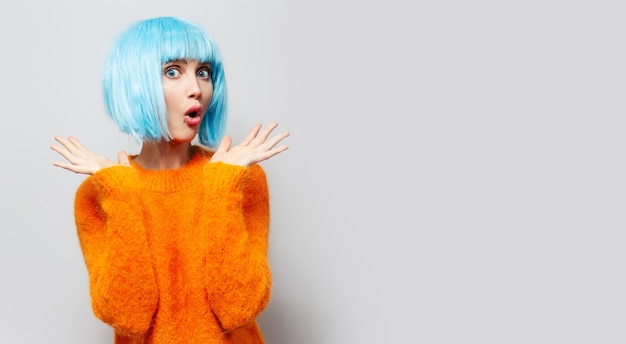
(193, 88)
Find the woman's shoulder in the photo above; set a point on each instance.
(107, 181)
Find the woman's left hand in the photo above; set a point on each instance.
(254, 148)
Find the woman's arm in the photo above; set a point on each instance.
(238, 275)
(122, 284)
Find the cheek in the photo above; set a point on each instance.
(168, 96)
(207, 92)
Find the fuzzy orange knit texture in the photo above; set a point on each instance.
(177, 256)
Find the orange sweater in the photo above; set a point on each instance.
(177, 256)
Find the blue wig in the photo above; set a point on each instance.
(132, 78)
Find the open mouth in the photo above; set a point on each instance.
(193, 116)
(193, 111)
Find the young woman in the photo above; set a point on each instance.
(174, 238)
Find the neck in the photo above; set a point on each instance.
(164, 155)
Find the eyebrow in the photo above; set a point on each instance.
(177, 61)
(185, 61)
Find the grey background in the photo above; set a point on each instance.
(455, 173)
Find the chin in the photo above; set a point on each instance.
(183, 137)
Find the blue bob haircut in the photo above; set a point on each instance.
(132, 78)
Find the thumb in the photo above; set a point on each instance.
(224, 145)
(122, 158)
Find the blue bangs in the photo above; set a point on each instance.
(183, 40)
(132, 74)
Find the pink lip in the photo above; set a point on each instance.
(196, 119)
(197, 109)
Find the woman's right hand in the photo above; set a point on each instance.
(81, 160)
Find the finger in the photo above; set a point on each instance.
(275, 140)
(77, 143)
(270, 153)
(65, 143)
(224, 145)
(72, 168)
(122, 158)
(57, 149)
(266, 133)
(64, 153)
(251, 134)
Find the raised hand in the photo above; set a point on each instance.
(81, 160)
(254, 148)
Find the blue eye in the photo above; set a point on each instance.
(204, 73)
(172, 73)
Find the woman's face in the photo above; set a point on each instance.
(188, 89)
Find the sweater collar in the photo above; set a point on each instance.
(171, 180)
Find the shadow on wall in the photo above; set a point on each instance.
(282, 323)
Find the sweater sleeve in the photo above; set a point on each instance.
(113, 240)
(238, 275)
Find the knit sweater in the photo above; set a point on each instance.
(179, 255)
